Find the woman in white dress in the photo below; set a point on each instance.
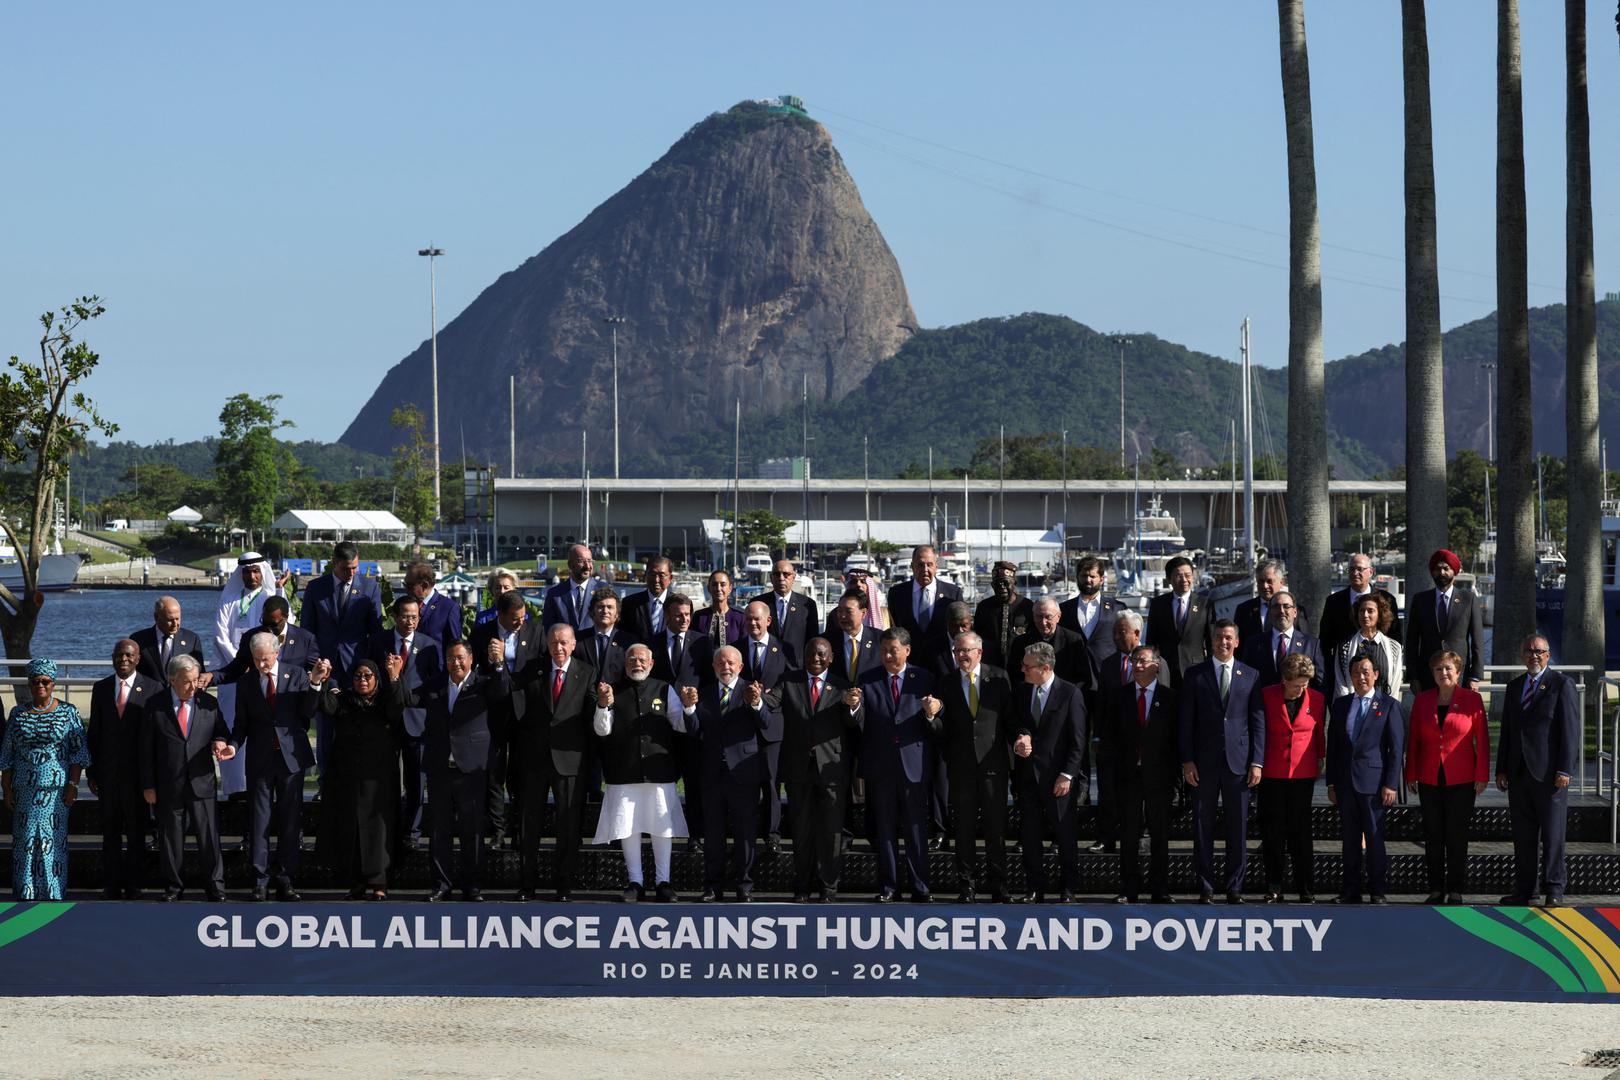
(636, 724)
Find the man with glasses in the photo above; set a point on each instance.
(642, 615)
(1338, 623)
(1535, 759)
(1265, 653)
(973, 724)
(794, 617)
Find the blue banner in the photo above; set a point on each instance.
(804, 950)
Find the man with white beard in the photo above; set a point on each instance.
(636, 722)
(241, 608)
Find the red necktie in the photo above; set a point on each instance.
(270, 691)
(894, 685)
(185, 719)
(1141, 718)
(556, 687)
(1282, 651)
(815, 692)
(123, 697)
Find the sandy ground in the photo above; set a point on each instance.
(1228, 1037)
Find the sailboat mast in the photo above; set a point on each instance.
(1248, 455)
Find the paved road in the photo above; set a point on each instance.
(1229, 1037)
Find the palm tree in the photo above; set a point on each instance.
(1309, 550)
(1516, 539)
(1426, 520)
(1583, 597)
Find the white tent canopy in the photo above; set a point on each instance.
(184, 515)
(374, 525)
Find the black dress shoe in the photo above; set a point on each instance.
(439, 895)
(967, 896)
(1377, 898)
(1000, 897)
(887, 896)
(801, 897)
(936, 843)
(109, 893)
(709, 896)
(564, 896)
(695, 844)
(1101, 847)
(1307, 898)
(744, 897)
(1455, 899)
(829, 896)
(1514, 900)
(1206, 898)
(525, 896)
(1163, 898)
(666, 893)
(774, 844)
(1272, 898)
(356, 893)
(1435, 898)
(1235, 898)
(1021, 898)
(1066, 897)
(287, 894)
(259, 894)
(922, 898)
(1344, 898)
(1125, 898)
(633, 893)
(472, 896)
(171, 895)
(1553, 901)
(215, 896)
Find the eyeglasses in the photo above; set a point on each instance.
(40, 681)
(1537, 652)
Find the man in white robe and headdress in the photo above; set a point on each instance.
(636, 723)
(241, 608)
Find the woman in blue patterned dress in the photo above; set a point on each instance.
(41, 755)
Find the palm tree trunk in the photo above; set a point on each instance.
(1309, 550)
(1516, 538)
(1583, 596)
(1426, 518)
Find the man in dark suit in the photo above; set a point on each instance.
(182, 735)
(1253, 616)
(1365, 736)
(735, 720)
(853, 638)
(569, 601)
(550, 745)
(1074, 663)
(603, 645)
(642, 615)
(274, 707)
(1002, 617)
(342, 610)
(958, 621)
(975, 700)
(455, 751)
(765, 662)
(164, 640)
(511, 643)
(1265, 652)
(1142, 721)
(794, 617)
(918, 606)
(814, 767)
(441, 616)
(297, 647)
(423, 663)
(1091, 614)
(1223, 744)
(685, 658)
(1117, 672)
(117, 706)
(721, 623)
(1536, 755)
(1178, 623)
(1447, 616)
(897, 761)
(1338, 623)
(1048, 732)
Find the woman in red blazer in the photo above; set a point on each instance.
(1296, 742)
(1448, 761)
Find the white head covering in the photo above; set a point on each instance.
(238, 611)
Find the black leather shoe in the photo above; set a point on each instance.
(829, 896)
(1307, 898)
(936, 843)
(356, 893)
(287, 894)
(1067, 897)
(1377, 898)
(563, 896)
(709, 896)
(922, 898)
(1235, 898)
(472, 896)
(171, 895)
(1514, 900)
(666, 893)
(1125, 898)
(1163, 898)
(1021, 898)
(215, 896)
(967, 896)
(1346, 899)
(438, 896)
(1435, 898)
(1206, 898)
(774, 845)
(695, 844)
(525, 896)
(259, 894)
(633, 893)
(1553, 901)
(801, 897)
(1272, 898)
(744, 897)
(1000, 897)
(1101, 847)
(109, 894)
(887, 896)
(1455, 899)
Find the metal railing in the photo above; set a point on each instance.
(1609, 756)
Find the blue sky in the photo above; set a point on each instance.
(247, 186)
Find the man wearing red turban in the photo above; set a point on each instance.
(1446, 617)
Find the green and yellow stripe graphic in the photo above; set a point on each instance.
(1575, 952)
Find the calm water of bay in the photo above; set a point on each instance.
(84, 624)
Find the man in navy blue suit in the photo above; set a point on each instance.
(918, 606)
(1223, 743)
(441, 616)
(1365, 737)
(1048, 729)
(342, 611)
(569, 601)
(1535, 758)
(794, 618)
(424, 661)
(892, 707)
(765, 661)
(642, 616)
(274, 705)
(1265, 652)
